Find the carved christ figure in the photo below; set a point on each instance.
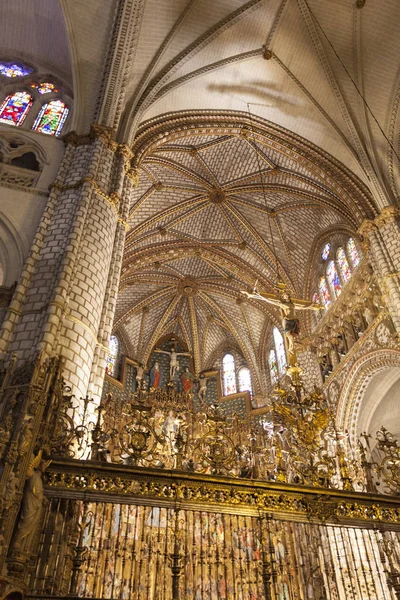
(290, 321)
(173, 360)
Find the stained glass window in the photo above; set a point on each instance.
(324, 292)
(316, 298)
(343, 265)
(51, 118)
(112, 358)
(229, 378)
(44, 88)
(325, 251)
(280, 350)
(10, 69)
(15, 108)
(244, 380)
(333, 277)
(273, 366)
(353, 252)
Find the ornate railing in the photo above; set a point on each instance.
(296, 442)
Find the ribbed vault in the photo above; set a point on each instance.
(224, 200)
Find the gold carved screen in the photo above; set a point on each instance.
(140, 552)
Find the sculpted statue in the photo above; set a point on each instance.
(187, 380)
(155, 376)
(290, 320)
(202, 387)
(31, 506)
(173, 360)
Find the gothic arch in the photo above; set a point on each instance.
(355, 386)
(13, 249)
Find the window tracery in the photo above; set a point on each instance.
(353, 253)
(228, 374)
(333, 278)
(343, 264)
(112, 358)
(324, 292)
(15, 108)
(244, 377)
(49, 118)
(336, 273)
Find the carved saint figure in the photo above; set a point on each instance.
(202, 387)
(155, 376)
(173, 360)
(290, 320)
(31, 506)
(187, 380)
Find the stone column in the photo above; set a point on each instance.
(64, 304)
(382, 236)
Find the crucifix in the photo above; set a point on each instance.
(173, 360)
(290, 320)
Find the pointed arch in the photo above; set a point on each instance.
(51, 118)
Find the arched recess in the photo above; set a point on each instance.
(325, 236)
(365, 389)
(13, 250)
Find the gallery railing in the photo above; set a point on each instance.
(296, 442)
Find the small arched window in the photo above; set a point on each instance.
(228, 374)
(326, 251)
(273, 366)
(280, 350)
(343, 265)
(324, 292)
(112, 358)
(15, 108)
(51, 118)
(244, 377)
(334, 280)
(353, 253)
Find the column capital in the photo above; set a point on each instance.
(387, 215)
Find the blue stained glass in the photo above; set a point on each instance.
(325, 251)
(334, 278)
(10, 69)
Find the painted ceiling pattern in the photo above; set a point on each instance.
(215, 211)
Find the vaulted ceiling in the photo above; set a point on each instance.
(258, 126)
(224, 201)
